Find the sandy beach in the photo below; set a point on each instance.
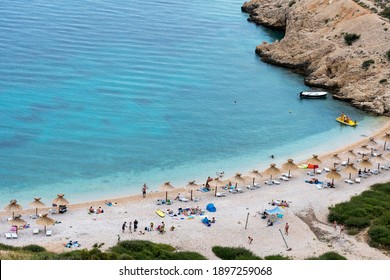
(309, 235)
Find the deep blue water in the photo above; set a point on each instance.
(98, 97)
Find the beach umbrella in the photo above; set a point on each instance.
(315, 161)
(60, 200)
(333, 175)
(364, 150)
(166, 187)
(253, 175)
(12, 207)
(289, 165)
(386, 138)
(272, 170)
(372, 143)
(365, 163)
(18, 222)
(335, 159)
(350, 154)
(192, 186)
(45, 221)
(217, 182)
(37, 203)
(378, 159)
(238, 179)
(350, 169)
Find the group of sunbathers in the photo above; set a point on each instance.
(71, 244)
(279, 203)
(95, 211)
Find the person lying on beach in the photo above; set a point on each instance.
(100, 210)
(269, 223)
(91, 210)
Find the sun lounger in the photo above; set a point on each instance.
(250, 187)
(233, 191)
(344, 163)
(8, 235)
(183, 199)
(286, 175)
(220, 194)
(375, 171)
(284, 178)
(276, 182)
(35, 230)
(357, 180)
(14, 235)
(384, 167)
(318, 171)
(269, 182)
(310, 173)
(34, 216)
(48, 232)
(52, 211)
(348, 181)
(195, 199)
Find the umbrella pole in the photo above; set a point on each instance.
(36, 211)
(289, 173)
(166, 196)
(350, 175)
(191, 194)
(379, 166)
(253, 183)
(215, 194)
(384, 146)
(332, 182)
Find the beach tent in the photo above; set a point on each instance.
(274, 211)
(211, 208)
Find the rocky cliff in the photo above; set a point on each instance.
(337, 44)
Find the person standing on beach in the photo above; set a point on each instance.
(130, 227)
(123, 227)
(135, 225)
(151, 225)
(335, 225)
(286, 227)
(144, 190)
(341, 229)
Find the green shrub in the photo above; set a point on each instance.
(353, 231)
(329, 256)
(380, 236)
(276, 257)
(33, 248)
(228, 253)
(349, 38)
(386, 12)
(366, 64)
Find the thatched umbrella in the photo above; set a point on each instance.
(192, 186)
(13, 206)
(335, 159)
(350, 154)
(333, 175)
(253, 175)
(37, 203)
(350, 169)
(386, 138)
(17, 222)
(365, 163)
(372, 143)
(60, 200)
(272, 171)
(45, 221)
(237, 179)
(314, 161)
(364, 150)
(289, 165)
(379, 159)
(166, 187)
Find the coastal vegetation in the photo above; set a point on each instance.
(349, 38)
(369, 210)
(386, 12)
(328, 256)
(229, 253)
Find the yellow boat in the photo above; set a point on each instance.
(160, 213)
(348, 122)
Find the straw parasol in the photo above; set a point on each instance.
(272, 171)
(60, 200)
(364, 150)
(18, 222)
(335, 159)
(45, 221)
(217, 182)
(333, 175)
(350, 169)
(37, 203)
(238, 179)
(350, 154)
(386, 138)
(166, 187)
(289, 165)
(365, 163)
(314, 161)
(13, 206)
(372, 143)
(253, 175)
(379, 159)
(192, 186)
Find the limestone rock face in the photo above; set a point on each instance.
(314, 45)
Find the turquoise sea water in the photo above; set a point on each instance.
(98, 97)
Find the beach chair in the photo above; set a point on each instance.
(357, 180)
(49, 232)
(52, 211)
(257, 186)
(344, 163)
(220, 194)
(286, 175)
(375, 171)
(35, 230)
(183, 199)
(348, 181)
(284, 178)
(34, 216)
(234, 191)
(250, 187)
(269, 182)
(384, 167)
(326, 169)
(8, 235)
(14, 235)
(310, 173)
(276, 182)
(318, 171)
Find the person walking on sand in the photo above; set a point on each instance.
(119, 238)
(135, 225)
(144, 190)
(130, 227)
(335, 225)
(341, 229)
(123, 227)
(151, 225)
(250, 240)
(286, 227)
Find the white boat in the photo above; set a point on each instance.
(313, 94)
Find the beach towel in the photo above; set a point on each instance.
(204, 190)
(211, 208)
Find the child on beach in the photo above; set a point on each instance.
(286, 227)
(250, 239)
(144, 190)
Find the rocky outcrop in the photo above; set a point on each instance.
(315, 45)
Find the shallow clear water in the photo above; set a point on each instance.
(98, 97)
